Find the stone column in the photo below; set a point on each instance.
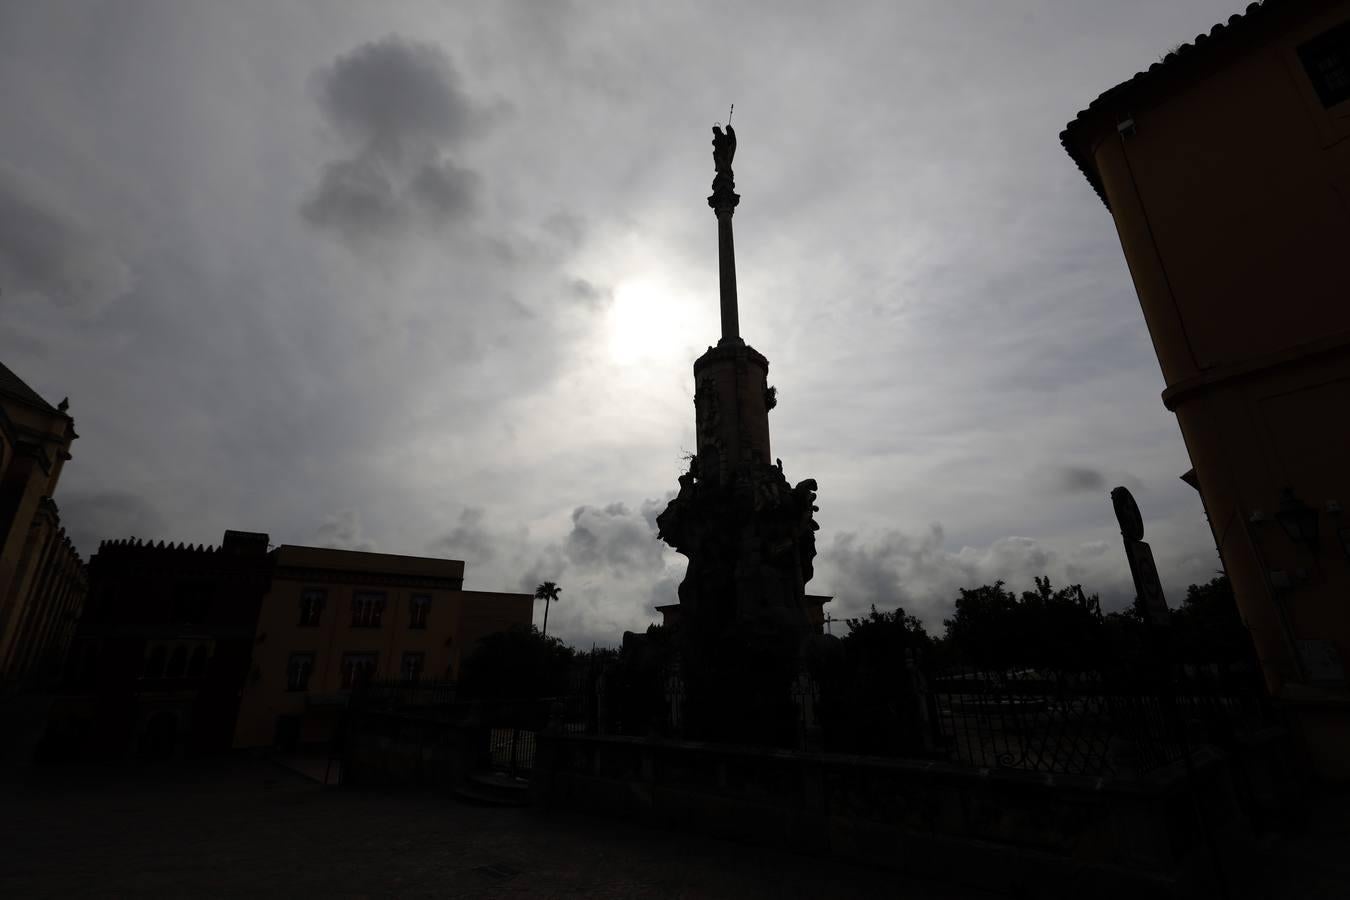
(724, 206)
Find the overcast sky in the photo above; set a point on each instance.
(429, 278)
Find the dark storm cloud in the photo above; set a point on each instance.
(445, 191)
(399, 107)
(45, 251)
(342, 531)
(1067, 478)
(470, 539)
(94, 516)
(394, 96)
(613, 537)
(356, 198)
(588, 294)
(549, 564)
(1078, 478)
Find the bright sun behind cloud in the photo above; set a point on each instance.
(649, 321)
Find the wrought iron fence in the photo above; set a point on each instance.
(512, 750)
(1097, 722)
(1093, 722)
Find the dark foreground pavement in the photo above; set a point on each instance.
(247, 828)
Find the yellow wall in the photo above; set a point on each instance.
(455, 619)
(41, 577)
(1232, 201)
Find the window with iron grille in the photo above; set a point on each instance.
(411, 670)
(312, 602)
(358, 668)
(420, 606)
(367, 608)
(298, 671)
(1326, 59)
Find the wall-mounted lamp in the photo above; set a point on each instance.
(1125, 127)
(1257, 517)
(1298, 519)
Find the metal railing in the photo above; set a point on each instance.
(1093, 722)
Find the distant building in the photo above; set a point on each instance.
(334, 618)
(42, 581)
(188, 650)
(1226, 167)
(162, 649)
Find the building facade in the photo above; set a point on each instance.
(162, 649)
(42, 580)
(193, 650)
(335, 618)
(1226, 168)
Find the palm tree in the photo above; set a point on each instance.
(548, 592)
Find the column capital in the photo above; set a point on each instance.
(724, 202)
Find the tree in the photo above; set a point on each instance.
(868, 698)
(981, 627)
(548, 592)
(1058, 628)
(1207, 626)
(881, 632)
(520, 663)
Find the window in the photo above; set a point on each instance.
(367, 609)
(358, 668)
(411, 670)
(1326, 59)
(312, 602)
(421, 604)
(297, 671)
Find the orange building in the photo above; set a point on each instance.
(42, 580)
(1226, 167)
(334, 618)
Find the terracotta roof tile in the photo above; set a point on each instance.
(1255, 16)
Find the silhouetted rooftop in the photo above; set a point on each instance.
(13, 386)
(1182, 62)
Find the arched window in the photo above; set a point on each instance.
(154, 663)
(177, 662)
(197, 662)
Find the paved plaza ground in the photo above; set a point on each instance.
(247, 828)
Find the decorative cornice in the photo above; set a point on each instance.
(1206, 380)
(732, 353)
(313, 575)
